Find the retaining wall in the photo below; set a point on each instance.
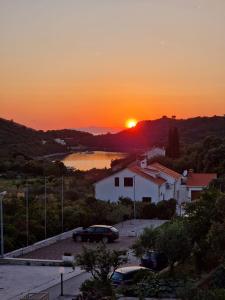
(40, 244)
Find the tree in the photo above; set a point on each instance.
(173, 146)
(173, 240)
(100, 262)
(145, 242)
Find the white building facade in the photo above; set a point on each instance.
(139, 184)
(151, 183)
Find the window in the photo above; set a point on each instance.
(128, 181)
(146, 199)
(101, 229)
(117, 181)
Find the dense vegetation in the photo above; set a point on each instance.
(194, 245)
(206, 155)
(15, 137)
(19, 139)
(80, 208)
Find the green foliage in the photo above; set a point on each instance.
(166, 209)
(145, 242)
(95, 289)
(100, 261)
(80, 208)
(205, 155)
(174, 241)
(199, 294)
(206, 223)
(218, 278)
(154, 285)
(173, 146)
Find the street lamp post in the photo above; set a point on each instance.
(27, 214)
(134, 198)
(2, 194)
(61, 272)
(45, 213)
(62, 204)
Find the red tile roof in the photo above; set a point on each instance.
(200, 179)
(142, 173)
(165, 170)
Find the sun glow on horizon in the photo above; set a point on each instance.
(130, 123)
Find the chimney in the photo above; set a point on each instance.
(143, 163)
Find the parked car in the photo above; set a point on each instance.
(125, 276)
(96, 233)
(154, 260)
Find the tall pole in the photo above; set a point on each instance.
(45, 208)
(2, 233)
(62, 204)
(61, 284)
(134, 199)
(27, 214)
(2, 237)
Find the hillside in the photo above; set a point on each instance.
(18, 138)
(149, 133)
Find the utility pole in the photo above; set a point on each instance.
(2, 194)
(62, 204)
(45, 213)
(27, 214)
(134, 198)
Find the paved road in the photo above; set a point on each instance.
(55, 251)
(70, 287)
(127, 229)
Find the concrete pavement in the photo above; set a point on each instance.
(17, 281)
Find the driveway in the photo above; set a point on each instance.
(129, 230)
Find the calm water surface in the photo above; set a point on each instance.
(87, 160)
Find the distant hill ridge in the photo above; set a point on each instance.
(17, 137)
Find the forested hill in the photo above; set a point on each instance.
(149, 133)
(18, 138)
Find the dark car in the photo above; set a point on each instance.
(126, 275)
(154, 260)
(96, 233)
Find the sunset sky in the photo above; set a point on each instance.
(78, 63)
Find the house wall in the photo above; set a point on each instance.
(194, 188)
(106, 189)
(172, 188)
(155, 152)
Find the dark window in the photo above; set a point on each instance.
(146, 199)
(128, 181)
(117, 181)
(90, 229)
(101, 229)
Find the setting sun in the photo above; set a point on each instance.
(131, 123)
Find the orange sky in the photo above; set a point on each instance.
(99, 62)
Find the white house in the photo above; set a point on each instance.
(154, 152)
(154, 182)
(60, 141)
(196, 182)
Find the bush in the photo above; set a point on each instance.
(199, 294)
(166, 209)
(94, 289)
